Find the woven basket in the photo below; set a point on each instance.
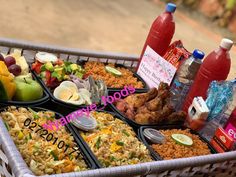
(223, 164)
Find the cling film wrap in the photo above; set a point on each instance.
(220, 95)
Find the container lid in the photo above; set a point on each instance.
(226, 43)
(85, 123)
(170, 7)
(154, 135)
(45, 57)
(198, 54)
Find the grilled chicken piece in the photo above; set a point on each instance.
(155, 104)
(130, 114)
(167, 111)
(143, 118)
(143, 109)
(121, 105)
(177, 116)
(163, 86)
(138, 100)
(148, 118)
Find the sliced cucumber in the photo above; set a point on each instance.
(182, 139)
(113, 71)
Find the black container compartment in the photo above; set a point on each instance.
(148, 143)
(111, 89)
(38, 102)
(88, 160)
(132, 122)
(138, 90)
(77, 132)
(74, 107)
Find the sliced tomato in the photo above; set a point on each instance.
(48, 77)
(87, 75)
(59, 62)
(36, 67)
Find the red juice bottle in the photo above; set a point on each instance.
(161, 32)
(216, 66)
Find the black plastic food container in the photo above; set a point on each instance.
(144, 89)
(74, 107)
(89, 161)
(148, 143)
(62, 104)
(38, 102)
(76, 131)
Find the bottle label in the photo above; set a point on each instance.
(180, 91)
(231, 130)
(181, 88)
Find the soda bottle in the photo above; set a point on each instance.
(216, 66)
(184, 78)
(161, 32)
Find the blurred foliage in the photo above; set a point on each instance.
(222, 15)
(230, 4)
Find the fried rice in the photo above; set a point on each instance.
(114, 143)
(171, 150)
(98, 71)
(41, 156)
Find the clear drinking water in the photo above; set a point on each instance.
(184, 78)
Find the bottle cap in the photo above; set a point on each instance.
(85, 123)
(198, 54)
(226, 43)
(170, 7)
(154, 136)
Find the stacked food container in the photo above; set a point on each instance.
(108, 138)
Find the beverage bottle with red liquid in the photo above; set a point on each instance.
(161, 32)
(216, 66)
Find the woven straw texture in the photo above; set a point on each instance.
(12, 163)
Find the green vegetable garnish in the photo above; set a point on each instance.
(98, 143)
(182, 139)
(113, 71)
(42, 74)
(79, 74)
(120, 143)
(59, 77)
(43, 68)
(35, 114)
(125, 132)
(132, 155)
(71, 157)
(7, 126)
(54, 155)
(112, 158)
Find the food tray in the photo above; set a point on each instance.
(222, 164)
(75, 129)
(86, 156)
(132, 122)
(68, 106)
(155, 154)
(145, 86)
(72, 106)
(38, 102)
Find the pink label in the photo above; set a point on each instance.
(231, 130)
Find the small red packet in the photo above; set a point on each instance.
(221, 141)
(176, 53)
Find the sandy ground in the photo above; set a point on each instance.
(104, 25)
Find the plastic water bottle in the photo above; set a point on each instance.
(161, 32)
(216, 66)
(184, 78)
